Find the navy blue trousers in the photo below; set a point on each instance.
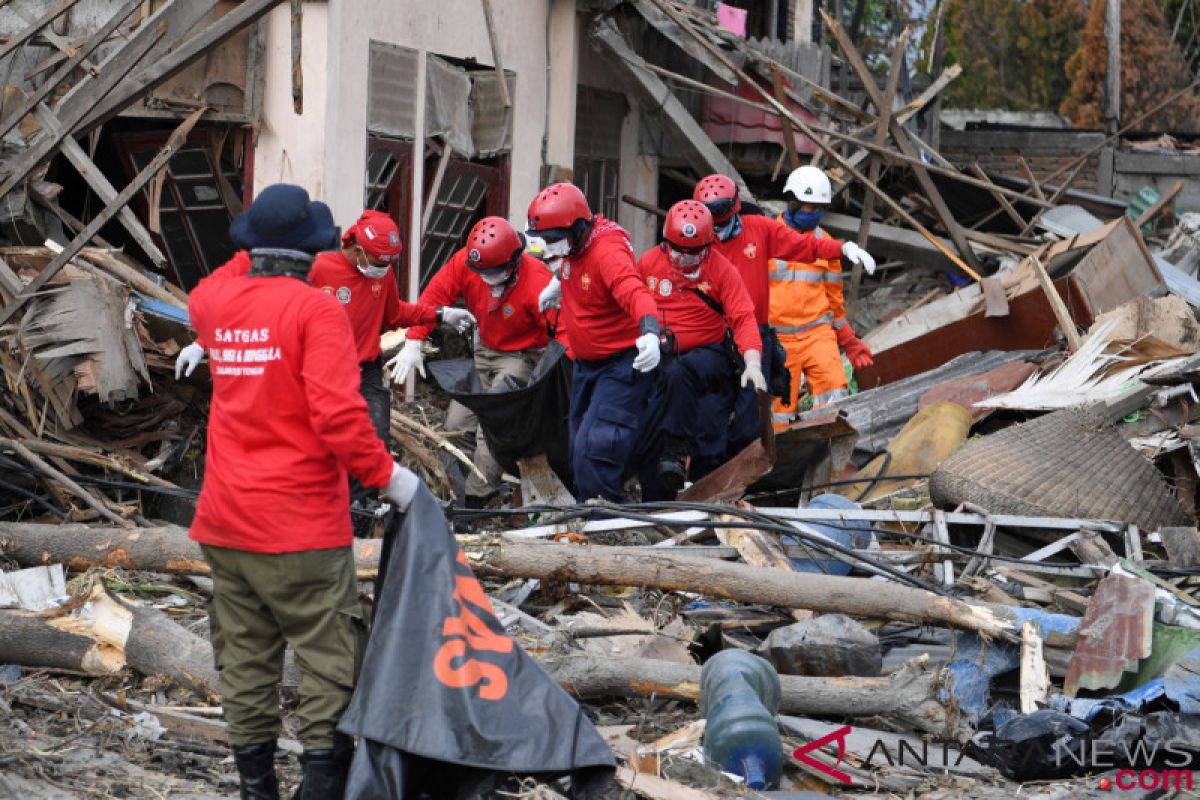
(608, 407)
(747, 426)
(693, 401)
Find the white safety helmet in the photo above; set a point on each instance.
(808, 184)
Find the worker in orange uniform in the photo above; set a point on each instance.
(757, 246)
(793, 301)
(501, 285)
(703, 303)
(361, 277)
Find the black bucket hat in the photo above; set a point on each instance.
(283, 217)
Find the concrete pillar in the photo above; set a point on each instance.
(563, 44)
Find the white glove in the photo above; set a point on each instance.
(188, 359)
(402, 486)
(551, 295)
(648, 352)
(753, 373)
(458, 318)
(856, 255)
(408, 359)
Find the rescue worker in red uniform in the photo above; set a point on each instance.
(361, 276)
(704, 305)
(808, 193)
(286, 424)
(613, 327)
(762, 250)
(501, 285)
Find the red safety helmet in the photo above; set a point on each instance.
(689, 226)
(720, 195)
(376, 233)
(559, 206)
(493, 246)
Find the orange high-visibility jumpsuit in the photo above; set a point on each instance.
(806, 307)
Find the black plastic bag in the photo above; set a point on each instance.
(447, 705)
(518, 420)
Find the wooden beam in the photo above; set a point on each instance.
(54, 12)
(1054, 198)
(789, 137)
(1056, 305)
(874, 166)
(64, 72)
(176, 139)
(21, 165)
(501, 83)
(998, 196)
(1161, 203)
(854, 58)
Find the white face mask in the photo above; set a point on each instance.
(687, 263)
(374, 273)
(496, 280)
(538, 247)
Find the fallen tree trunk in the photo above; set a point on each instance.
(165, 549)
(631, 566)
(909, 694)
(110, 635)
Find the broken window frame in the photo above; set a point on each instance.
(135, 149)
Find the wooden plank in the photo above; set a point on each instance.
(759, 549)
(998, 196)
(177, 138)
(789, 136)
(62, 73)
(501, 83)
(18, 39)
(1065, 323)
(875, 165)
(1035, 676)
(1162, 202)
(854, 58)
(24, 163)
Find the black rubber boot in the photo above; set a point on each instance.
(672, 465)
(325, 771)
(256, 769)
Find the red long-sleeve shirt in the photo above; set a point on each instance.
(374, 305)
(693, 321)
(761, 240)
(507, 323)
(286, 422)
(603, 295)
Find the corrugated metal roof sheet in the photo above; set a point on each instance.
(1117, 632)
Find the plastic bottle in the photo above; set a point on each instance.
(739, 695)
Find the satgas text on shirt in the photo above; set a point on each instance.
(242, 335)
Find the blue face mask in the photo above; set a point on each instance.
(729, 228)
(803, 220)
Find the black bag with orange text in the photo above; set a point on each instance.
(447, 704)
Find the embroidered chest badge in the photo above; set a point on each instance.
(586, 282)
(508, 310)
(705, 287)
(342, 294)
(664, 287)
(750, 251)
(651, 282)
(377, 290)
(566, 270)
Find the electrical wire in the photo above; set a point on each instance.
(34, 497)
